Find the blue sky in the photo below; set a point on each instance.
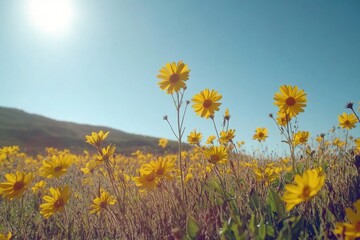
(103, 70)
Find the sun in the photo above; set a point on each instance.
(54, 17)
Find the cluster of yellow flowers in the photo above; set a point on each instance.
(111, 177)
(152, 173)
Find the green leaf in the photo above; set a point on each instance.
(192, 228)
(270, 231)
(254, 200)
(288, 177)
(292, 228)
(262, 229)
(276, 204)
(252, 224)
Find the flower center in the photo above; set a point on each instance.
(174, 78)
(103, 204)
(57, 168)
(261, 134)
(290, 101)
(160, 171)
(18, 186)
(150, 178)
(347, 122)
(306, 192)
(207, 103)
(357, 226)
(214, 158)
(59, 203)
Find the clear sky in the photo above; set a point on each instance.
(101, 66)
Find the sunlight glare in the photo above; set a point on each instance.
(51, 16)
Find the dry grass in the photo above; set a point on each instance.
(226, 201)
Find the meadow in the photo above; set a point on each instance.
(212, 191)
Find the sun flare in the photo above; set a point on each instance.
(51, 16)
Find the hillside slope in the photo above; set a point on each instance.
(34, 132)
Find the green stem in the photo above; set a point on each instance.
(179, 123)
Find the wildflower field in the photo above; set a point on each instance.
(212, 191)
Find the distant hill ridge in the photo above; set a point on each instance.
(33, 133)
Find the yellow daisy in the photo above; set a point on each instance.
(305, 187)
(56, 166)
(194, 138)
(227, 136)
(15, 185)
(357, 144)
(347, 121)
(260, 134)
(39, 185)
(146, 182)
(290, 100)
(240, 144)
(161, 168)
(350, 230)
(216, 154)
(206, 103)
(102, 202)
(301, 137)
(5, 237)
(210, 139)
(282, 118)
(163, 142)
(320, 138)
(227, 114)
(96, 139)
(56, 202)
(338, 143)
(106, 153)
(173, 76)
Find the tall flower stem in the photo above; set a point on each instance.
(217, 132)
(178, 133)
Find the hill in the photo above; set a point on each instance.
(33, 133)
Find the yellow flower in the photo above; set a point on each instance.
(5, 237)
(290, 100)
(282, 118)
(163, 142)
(102, 202)
(16, 184)
(90, 166)
(320, 138)
(350, 230)
(56, 202)
(227, 136)
(39, 185)
(357, 144)
(338, 143)
(240, 144)
(96, 139)
(305, 187)
(260, 134)
(266, 174)
(146, 182)
(301, 137)
(227, 114)
(347, 121)
(194, 138)
(206, 103)
(56, 166)
(173, 76)
(216, 154)
(210, 139)
(161, 168)
(106, 153)
(188, 177)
